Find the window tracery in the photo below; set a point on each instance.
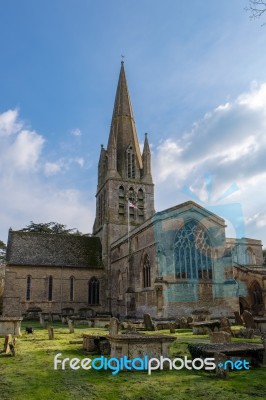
(193, 256)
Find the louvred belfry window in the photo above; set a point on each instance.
(121, 202)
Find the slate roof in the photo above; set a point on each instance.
(44, 249)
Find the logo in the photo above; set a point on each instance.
(144, 364)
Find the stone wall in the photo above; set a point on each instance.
(15, 303)
(168, 297)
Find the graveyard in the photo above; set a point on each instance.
(30, 374)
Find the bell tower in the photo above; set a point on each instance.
(125, 191)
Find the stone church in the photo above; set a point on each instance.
(167, 263)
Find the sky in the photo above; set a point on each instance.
(196, 73)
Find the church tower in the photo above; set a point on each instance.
(125, 191)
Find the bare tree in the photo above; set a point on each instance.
(256, 8)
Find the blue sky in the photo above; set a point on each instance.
(197, 79)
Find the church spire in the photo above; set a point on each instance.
(124, 131)
(124, 174)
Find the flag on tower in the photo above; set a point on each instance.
(132, 205)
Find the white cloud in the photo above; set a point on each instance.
(20, 147)
(52, 168)
(80, 161)
(228, 143)
(76, 132)
(9, 123)
(62, 165)
(25, 150)
(256, 99)
(25, 193)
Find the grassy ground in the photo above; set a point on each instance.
(30, 375)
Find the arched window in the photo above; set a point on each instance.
(250, 256)
(101, 209)
(72, 288)
(256, 293)
(146, 272)
(50, 288)
(99, 204)
(94, 291)
(141, 205)
(131, 162)
(120, 285)
(193, 256)
(121, 202)
(28, 288)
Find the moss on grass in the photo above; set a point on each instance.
(30, 375)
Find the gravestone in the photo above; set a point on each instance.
(247, 333)
(9, 345)
(172, 328)
(220, 337)
(200, 314)
(263, 338)
(177, 323)
(131, 328)
(183, 323)
(149, 325)
(225, 326)
(71, 325)
(248, 320)
(220, 359)
(50, 332)
(41, 320)
(8, 340)
(114, 327)
(238, 318)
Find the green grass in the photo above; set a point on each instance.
(30, 375)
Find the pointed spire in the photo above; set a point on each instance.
(122, 105)
(146, 148)
(123, 126)
(146, 159)
(101, 166)
(112, 160)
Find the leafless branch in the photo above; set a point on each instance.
(256, 8)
